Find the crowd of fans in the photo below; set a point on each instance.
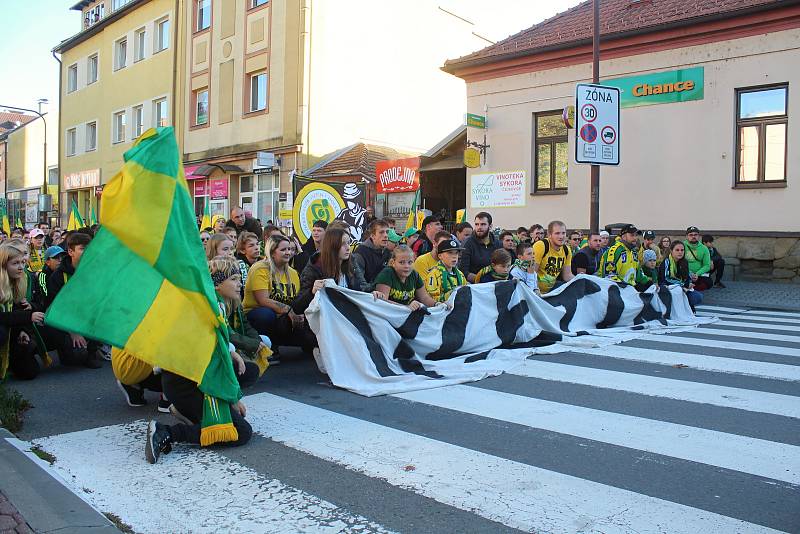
(265, 280)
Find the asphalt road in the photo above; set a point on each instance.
(689, 432)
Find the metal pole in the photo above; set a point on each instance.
(594, 209)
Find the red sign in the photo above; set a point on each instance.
(218, 188)
(397, 175)
(200, 188)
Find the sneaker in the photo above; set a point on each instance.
(133, 395)
(93, 362)
(163, 404)
(720, 285)
(159, 440)
(178, 415)
(104, 352)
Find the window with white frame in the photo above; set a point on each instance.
(267, 194)
(162, 35)
(71, 141)
(91, 69)
(117, 4)
(138, 121)
(120, 54)
(91, 136)
(118, 122)
(72, 78)
(160, 112)
(139, 44)
(256, 3)
(201, 107)
(203, 14)
(258, 91)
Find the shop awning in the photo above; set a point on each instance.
(194, 172)
(450, 163)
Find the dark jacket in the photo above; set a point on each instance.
(587, 259)
(17, 317)
(682, 273)
(312, 273)
(300, 261)
(243, 336)
(250, 225)
(477, 255)
(422, 245)
(57, 280)
(370, 259)
(39, 287)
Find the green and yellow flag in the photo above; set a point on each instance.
(461, 216)
(143, 283)
(19, 223)
(206, 222)
(75, 220)
(92, 217)
(6, 222)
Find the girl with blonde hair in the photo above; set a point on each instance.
(219, 245)
(17, 350)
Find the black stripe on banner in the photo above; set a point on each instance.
(406, 357)
(409, 328)
(455, 326)
(614, 309)
(477, 357)
(648, 313)
(356, 317)
(569, 298)
(666, 299)
(508, 320)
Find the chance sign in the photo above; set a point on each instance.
(597, 124)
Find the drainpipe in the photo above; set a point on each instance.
(58, 135)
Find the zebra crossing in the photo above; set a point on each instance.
(689, 432)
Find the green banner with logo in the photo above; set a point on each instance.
(659, 88)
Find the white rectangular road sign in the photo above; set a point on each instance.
(596, 124)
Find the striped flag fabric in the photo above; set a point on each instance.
(147, 285)
(461, 216)
(412, 215)
(6, 223)
(92, 217)
(206, 222)
(75, 220)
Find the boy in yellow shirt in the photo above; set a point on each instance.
(444, 277)
(428, 261)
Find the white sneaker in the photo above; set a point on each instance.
(105, 352)
(318, 358)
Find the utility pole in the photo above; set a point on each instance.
(594, 209)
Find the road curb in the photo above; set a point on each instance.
(41, 497)
(750, 305)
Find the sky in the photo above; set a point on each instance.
(29, 72)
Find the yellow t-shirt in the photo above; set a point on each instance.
(423, 264)
(550, 264)
(282, 288)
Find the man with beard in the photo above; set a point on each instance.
(699, 259)
(478, 247)
(621, 262)
(586, 260)
(552, 257)
(536, 233)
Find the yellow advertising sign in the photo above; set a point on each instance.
(472, 158)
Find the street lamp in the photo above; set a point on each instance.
(42, 101)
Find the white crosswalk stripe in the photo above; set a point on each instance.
(727, 422)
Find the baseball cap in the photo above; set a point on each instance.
(692, 230)
(53, 252)
(36, 232)
(603, 233)
(649, 255)
(450, 244)
(649, 234)
(409, 232)
(628, 229)
(394, 237)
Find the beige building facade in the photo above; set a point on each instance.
(296, 80)
(118, 78)
(724, 160)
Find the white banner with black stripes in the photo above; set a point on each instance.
(373, 347)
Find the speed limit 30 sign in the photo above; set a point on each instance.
(597, 124)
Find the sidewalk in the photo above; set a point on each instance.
(34, 500)
(775, 296)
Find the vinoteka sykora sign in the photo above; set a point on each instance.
(498, 190)
(397, 175)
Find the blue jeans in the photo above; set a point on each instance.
(279, 329)
(695, 298)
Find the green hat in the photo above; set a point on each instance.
(409, 232)
(394, 237)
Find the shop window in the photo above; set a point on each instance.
(91, 69)
(121, 54)
(162, 35)
(139, 44)
(203, 14)
(761, 121)
(71, 141)
(161, 112)
(201, 107)
(258, 91)
(550, 153)
(118, 126)
(91, 136)
(138, 121)
(72, 78)
(267, 197)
